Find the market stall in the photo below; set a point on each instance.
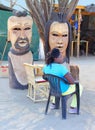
(83, 23)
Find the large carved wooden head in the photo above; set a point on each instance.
(20, 31)
(58, 34)
(41, 11)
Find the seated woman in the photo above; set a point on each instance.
(55, 66)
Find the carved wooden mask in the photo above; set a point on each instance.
(20, 32)
(58, 36)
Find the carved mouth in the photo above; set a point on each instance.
(60, 48)
(22, 43)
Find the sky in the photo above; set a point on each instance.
(86, 2)
(22, 3)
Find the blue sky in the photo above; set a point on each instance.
(86, 2)
(22, 3)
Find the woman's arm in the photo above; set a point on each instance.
(69, 78)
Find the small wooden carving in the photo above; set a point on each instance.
(74, 69)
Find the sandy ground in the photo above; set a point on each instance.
(17, 112)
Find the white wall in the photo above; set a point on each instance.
(41, 51)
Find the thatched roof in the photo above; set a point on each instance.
(3, 7)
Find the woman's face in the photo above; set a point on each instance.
(58, 37)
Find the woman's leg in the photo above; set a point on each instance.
(70, 90)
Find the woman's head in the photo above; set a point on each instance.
(54, 56)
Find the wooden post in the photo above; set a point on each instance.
(78, 35)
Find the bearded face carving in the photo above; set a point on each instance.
(20, 32)
(20, 35)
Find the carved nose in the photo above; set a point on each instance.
(22, 35)
(60, 43)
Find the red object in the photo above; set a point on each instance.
(3, 71)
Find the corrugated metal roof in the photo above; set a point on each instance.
(3, 7)
(90, 8)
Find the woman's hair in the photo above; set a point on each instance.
(51, 55)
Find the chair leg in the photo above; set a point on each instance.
(64, 106)
(57, 102)
(47, 104)
(78, 105)
(78, 98)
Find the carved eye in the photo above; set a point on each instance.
(64, 35)
(17, 29)
(27, 28)
(55, 35)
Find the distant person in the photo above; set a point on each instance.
(54, 66)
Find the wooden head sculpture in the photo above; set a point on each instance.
(19, 34)
(58, 34)
(20, 31)
(41, 11)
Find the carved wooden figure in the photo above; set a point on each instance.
(58, 34)
(19, 34)
(54, 28)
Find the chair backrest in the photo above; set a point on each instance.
(74, 69)
(30, 73)
(54, 82)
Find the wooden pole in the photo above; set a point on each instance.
(78, 35)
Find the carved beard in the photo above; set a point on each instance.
(19, 45)
(22, 41)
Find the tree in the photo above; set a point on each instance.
(41, 11)
(12, 3)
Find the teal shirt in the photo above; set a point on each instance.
(58, 70)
